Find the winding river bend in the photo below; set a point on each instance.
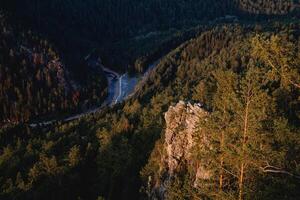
(120, 87)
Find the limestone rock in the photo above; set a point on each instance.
(182, 128)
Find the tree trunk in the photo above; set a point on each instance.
(242, 167)
(241, 181)
(221, 162)
(221, 175)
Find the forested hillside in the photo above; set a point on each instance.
(127, 35)
(79, 26)
(114, 26)
(112, 154)
(34, 81)
(268, 7)
(250, 87)
(235, 63)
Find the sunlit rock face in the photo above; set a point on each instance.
(182, 123)
(182, 129)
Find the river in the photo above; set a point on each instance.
(120, 87)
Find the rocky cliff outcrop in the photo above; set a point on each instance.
(181, 135)
(182, 127)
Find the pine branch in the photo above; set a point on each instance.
(277, 170)
(267, 57)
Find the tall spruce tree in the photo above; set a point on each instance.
(237, 129)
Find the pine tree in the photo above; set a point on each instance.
(280, 55)
(74, 156)
(218, 128)
(241, 106)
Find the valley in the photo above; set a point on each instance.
(149, 99)
(120, 87)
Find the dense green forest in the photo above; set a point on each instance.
(115, 26)
(241, 81)
(111, 26)
(127, 35)
(105, 156)
(239, 59)
(33, 79)
(269, 7)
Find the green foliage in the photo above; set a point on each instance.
(125, 30)
(33, 79)
(104, 154)
(251, 117)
